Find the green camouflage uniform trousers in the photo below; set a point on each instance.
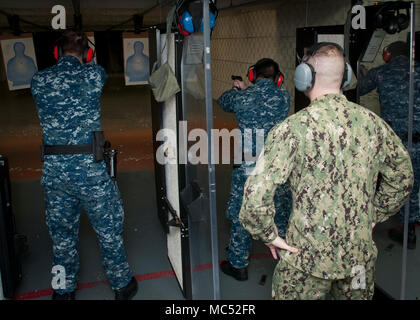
(290, 283)
(331, 153)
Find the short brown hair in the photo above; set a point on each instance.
(72, 41)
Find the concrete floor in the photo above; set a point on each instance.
(126, 120)
(145, 245)
(389, 263)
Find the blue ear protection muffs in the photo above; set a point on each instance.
(187, 24)
(305, 73)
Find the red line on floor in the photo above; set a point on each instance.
(141, 277)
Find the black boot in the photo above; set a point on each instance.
(398, 236)
(128, 292)
(240, 274)
(64, 296)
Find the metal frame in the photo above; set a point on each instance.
(410, 147)
(211, 166)
(1, 288)
(163, 206)
(189, 193)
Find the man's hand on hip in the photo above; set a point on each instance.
(279, 243)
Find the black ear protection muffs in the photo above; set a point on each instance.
(88, 53)
(391, 20)
(190, 19)
(252, 73)
(305, 73)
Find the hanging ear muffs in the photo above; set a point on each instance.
(389, 19)
(403, 20)
(391, 23)
(212, 21)
(304, 77)
(186, 21)
(186, 24)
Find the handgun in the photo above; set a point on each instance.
(237, 78)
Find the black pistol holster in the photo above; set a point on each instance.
(97, 148)
(98, 145)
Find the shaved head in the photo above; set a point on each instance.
(328, 63)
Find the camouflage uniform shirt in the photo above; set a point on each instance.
(260, 106)
(331, 153)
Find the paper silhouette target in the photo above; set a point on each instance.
(136, 61)
(20, 61)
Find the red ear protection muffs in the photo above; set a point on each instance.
(88, 54)
(57, 52)
(252, 76)
(386, 55)
(279, 79)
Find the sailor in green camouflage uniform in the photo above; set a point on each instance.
(331, 153)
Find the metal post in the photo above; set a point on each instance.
(1, 288)
(211, 166)
(410, 146)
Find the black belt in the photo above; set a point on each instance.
(97, 147)
(63, 149)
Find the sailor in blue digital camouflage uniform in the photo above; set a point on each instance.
(261, 106)
(392, 82)
(67, 98)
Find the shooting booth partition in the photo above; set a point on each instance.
(397, 269)
(186, 190)
(11, 244)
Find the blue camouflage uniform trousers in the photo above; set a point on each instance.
(259, 107)
(240, 239)
(67, 97)
(86, 186)
(392, 83)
